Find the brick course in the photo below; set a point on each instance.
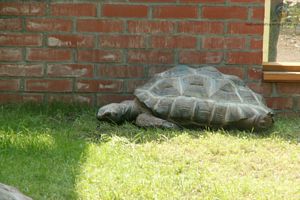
(97, 52)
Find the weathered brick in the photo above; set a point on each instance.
(43, 85)
(9, 98)
(73, 41)
(174, 42)
(244, 58)
(99, 85)
(254, 73)
(150, 56)
(99, 25)
(9, 84)
(288, 88)
(69, 70)
(279, 103)
(199, 27)
(151, 26)
(11, 24)
(10, 54)
(258, 13)
(133, 84)
(264, 89)
(99, 56)
(202, 1)
(11, 39)
(105, 99)
(223, 43)
(74, 9)
(121, 71)
(120, 10)
(68, 98)
(22, 8)
(30, 70)
(122, 41)
(175, 12)
(198, 57)
(237, 71)
(48, 24)
(222, 12)
(42, 54)
(248, 28)
(256, 43)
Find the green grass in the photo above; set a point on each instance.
(62, 152)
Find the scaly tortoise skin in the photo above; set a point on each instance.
(188, 97)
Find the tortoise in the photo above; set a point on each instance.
(192, 97)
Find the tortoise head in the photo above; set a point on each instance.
(113, 112)
(265, 121)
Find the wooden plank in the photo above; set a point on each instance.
(266, 35)
(282, 66)
(281, 76)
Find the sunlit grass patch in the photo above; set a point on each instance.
(63, 152)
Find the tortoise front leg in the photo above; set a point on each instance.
(147, 120)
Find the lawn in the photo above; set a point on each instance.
(62, 152)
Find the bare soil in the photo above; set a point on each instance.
(288, 48)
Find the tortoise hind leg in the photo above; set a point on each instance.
(147, 120)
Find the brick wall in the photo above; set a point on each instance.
(99, 51)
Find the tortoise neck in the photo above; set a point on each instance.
(132, 110)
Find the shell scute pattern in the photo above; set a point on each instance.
(199, 96)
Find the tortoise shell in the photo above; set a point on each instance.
(201, 96)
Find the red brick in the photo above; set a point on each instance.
(9, 98)
(247, 1)
(245, 28)
(99, 56)
(48, 24)
(20, 39)
(237, 71)
(258, 13)
(279, 103)
(117, 10)
(175, 12)
(33, 70)
(151, 26)
(74, 9)
(217, 12)
(174, 42)
(254, 73)
(73, 41)
(39, 54)
(201, 27)
(261, 88)
(223, 43)
(42, 85)
(121, 71)
(99, 85)
(199, 57)
(202, 1)
(9, 84)
(244, 58)
(153, 1)
(133, 84)
(288, 88)
(82, 99)
(95, 25)
(157, 69)
(150, 57)
(256, 43)
(10, 54)
(122, 41)
(69, 70)
(21, 8)
(11, 24)
(111, 98)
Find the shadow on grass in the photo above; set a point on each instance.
(284, 128)
(38, 153)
